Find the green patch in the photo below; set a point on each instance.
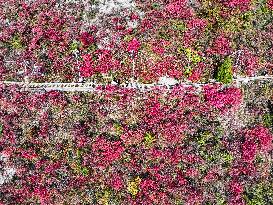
(16, 42)
(188, 71)
(94, 2)
(163, 33)
(178, 25)
(103, 197)
(133, 186)
(203, 169)
(230, 25)
(74, 159)
(149, 139)
(227, 157)
(259, 194)
(128, 38)
(220, 200)
(118, 129)
(84, 111)
(155, 5)
(224, 72)
(268, 120)
(247, 19)
(84, 171)
(178, 201)
(259, 159)
(92, 48)
(126, 157)
(247, 16)
(73, 47)
(180, 50)
(210, 147)
(191, 55)
(1, 129)
(203, 138)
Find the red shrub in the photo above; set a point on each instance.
(223, 99)
(221, 46)
(262, 135)
(249, 150)
(235, 187)
(270, 4)
(241, 4)
(86, 39)
(179, 9)
(87, 69)
(105, 152)
(133, 45)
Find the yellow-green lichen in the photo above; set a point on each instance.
(133, 186)
(16, 42)
(224, 72)
(149, 139)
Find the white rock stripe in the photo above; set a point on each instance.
(7, 172)
(86, 87)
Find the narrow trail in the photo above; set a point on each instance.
(89, 87)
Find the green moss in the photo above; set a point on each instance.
(128, 38)
(178, 25)
(74, 158)
(118, 128)
(178, 202)
(103, 197)
(224, 72)
(193, 58)
(203, 138)
(180, 50)
(16, 42)
(93, 47)
(220, 200)
(268, 120)
(163, 33)
(74, 46)
(1, 129)
(259, 194)
(230, 25)
(227, 157)
(126, 157)
(188, 71)
(84, 171)
(149, 139)
(259, 159)
(191, 55)
(155, 5)
(215, 152)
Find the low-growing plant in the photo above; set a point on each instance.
(16, 42)
(203, 138)
(178, 25)
(259, 194)
(224, 72)
(227, 157)
(133, 186)
(192, 55)
(118, 129)
(74, 46)
(103, 197)
(128, 38)
(1, 129)
(268, 120)
(149, 139)
(163, 33)
(155, 5)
